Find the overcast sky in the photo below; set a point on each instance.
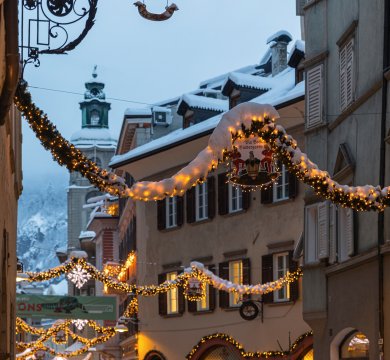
(146, 61)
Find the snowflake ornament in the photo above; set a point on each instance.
(79, 276)
(79, 323)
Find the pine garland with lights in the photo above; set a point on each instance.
(242, 121)
(240, 348)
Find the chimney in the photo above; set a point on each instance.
(278, 44)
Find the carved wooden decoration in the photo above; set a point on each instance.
(169, 10)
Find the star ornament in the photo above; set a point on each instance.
(79, 276)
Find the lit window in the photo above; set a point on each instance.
(281, 187)
(281, 264)
(171, 207)
(201, 202)
(236, 277)
(355, 346)
(172, 296)
(204, 304)
(309, 355)
(235, 199)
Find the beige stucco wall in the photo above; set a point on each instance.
(252, 230)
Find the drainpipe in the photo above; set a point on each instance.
(382, 164)
(12, 57)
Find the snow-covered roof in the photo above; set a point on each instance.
(161, 109)
(280, 35)
(266, 57)
(283, 90)
(93, 136)
(87, 234)
(203, 102)
(57, 289)
(79, 254)
(298, 45)
(251, 81)
(138, 111)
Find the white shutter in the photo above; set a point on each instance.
(349, 71)
(345, 234)
(332, 234)
(346, 74)
(310, 234)
(314, 97)
(323, 230)
(343, 77)
(300, 6)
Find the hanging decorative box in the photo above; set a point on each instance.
(252, 164)
(194, 289)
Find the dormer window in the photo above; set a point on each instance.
(95, 118)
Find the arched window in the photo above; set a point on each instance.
(221, 353)
(154, 355)
(309, 355)
(95, 117)
(355, 346)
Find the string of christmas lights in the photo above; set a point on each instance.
(196, 271)
(240, 348)
(242, 121)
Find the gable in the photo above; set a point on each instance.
(344, 165)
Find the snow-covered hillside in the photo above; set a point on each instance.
(42, 223)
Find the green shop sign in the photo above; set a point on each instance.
(66, 307)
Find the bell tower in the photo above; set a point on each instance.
(96, 142)
(94, 108)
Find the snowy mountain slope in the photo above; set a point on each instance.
(42, 224)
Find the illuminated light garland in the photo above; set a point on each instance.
(131, 258)
(197, 270)
(242, 121)
(244, 354)
(61, 328)
(132, 308)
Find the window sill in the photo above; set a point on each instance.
(232, 308)
(199, 222)
(281, 303)
(168, 316)
(233, 213)
(173, 228)
(203, 312)
(280, 202)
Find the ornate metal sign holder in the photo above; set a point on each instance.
(46, 26)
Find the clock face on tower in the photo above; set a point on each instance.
(95, 117)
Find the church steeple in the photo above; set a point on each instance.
(94, 108)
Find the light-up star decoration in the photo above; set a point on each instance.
(79, 323)
(79, 276)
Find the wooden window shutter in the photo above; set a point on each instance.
(180, 210)
(162, 298)
(161, 215)
(246, 274)
(211, 196)
(246, 199)
(348, 231)
(323, 230)
(223, 295)
(294, 287)
(343, 77)
(314, 97)
(349, 71)
(223, 195)
(267, 195)
(192, 307)
(212, 291)
(332, 234)
(181, 300)
(293, 184)
(267, 275)
(190, 206)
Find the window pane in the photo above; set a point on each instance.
(235, 276)
(172, 296)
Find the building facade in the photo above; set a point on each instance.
(346, 282)
(11, 173)
(242, 237)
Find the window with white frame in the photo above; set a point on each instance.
(172, 296)
(280, 268)
(281, 186)
(171, 212)
(204, 304)
(235, 276)
(346, 74)
(329, 233)
(201, 201)
(235, 198)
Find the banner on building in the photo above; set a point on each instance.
(66, 307)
